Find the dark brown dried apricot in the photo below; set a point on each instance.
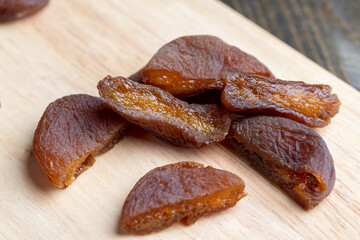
(193, 64)
(14, 9)
(310, 104)
(182, 191)
(169, 118)
(71, 130)
(137, 77)
(290, 154)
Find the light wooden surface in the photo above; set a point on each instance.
(71, 45)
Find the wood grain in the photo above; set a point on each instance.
(326, 31)
(70, 46)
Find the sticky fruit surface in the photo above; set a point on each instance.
(310, 104)
(169, 118)
(290, 154)
(176, 192)
(193, 64)
(71, 130)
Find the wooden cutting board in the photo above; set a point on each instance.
(70, 46)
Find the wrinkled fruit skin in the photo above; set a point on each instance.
(14, 9)
(310, 104)
(182, 191)
(193, 64)
(71, 130)
(172, 120)
(290, 154)
(137, 77)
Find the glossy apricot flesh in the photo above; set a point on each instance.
(290, 154)
(169, 118)
(70, 132)
(310, 104)
(182, 191)
(193, 64)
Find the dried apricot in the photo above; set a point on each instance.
(169, 118)
(14, 9)
(310, 104)
(71, 130)
(137, 77)
(290, 154)
(193, 64)
(182, 191)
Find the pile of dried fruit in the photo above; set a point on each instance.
(274, 132)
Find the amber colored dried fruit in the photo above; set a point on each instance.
(14, 9)
(193, 64)
(169, 118)
(290, 154)
(182, 191)
(71, 130)
(310, 104)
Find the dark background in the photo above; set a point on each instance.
(326, 31)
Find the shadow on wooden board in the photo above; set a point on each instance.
(36, 174)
